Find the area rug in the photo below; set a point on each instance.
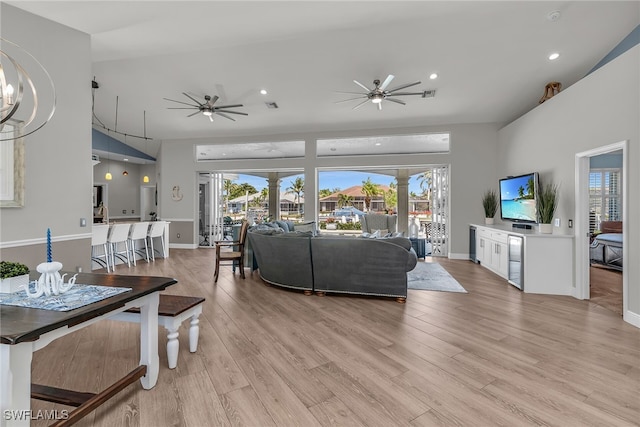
(431, 276)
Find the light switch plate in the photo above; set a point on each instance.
(557, 222)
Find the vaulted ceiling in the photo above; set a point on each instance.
(491, 59)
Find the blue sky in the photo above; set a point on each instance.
(331, 180)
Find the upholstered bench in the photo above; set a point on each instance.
(172, 311)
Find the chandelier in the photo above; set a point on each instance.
(24, 85)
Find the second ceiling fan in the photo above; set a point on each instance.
(380, 93)
(207, 107)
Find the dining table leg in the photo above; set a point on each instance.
(15, 384)
(149, 339)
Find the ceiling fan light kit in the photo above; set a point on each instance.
(380, 93)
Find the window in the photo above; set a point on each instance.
(605, 197)
(382, 145)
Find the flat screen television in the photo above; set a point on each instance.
(518, 198)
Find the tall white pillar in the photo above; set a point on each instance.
(403, 201)
(274, 195)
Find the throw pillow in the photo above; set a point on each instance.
(283, 225)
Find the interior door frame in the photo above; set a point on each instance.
(582, 289)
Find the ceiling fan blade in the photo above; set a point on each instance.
(211, 118)
(191, 115)
(361, 104)
(352, 93)
(379, 106)
(192, 98)
(183, 108)
(229, 106)
(225, 116)
(362, 86)
(403, 86)
(386, 82)
(180, 102)
(213, 100)
(350, 99)
(396, 101)
(407, 93)
(218, 110)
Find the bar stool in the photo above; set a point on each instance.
(138, 232)
(156, 230)
(119, 235)
(99, 235)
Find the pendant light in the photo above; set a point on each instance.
(124, 172)
(145, 178)
(108, 176)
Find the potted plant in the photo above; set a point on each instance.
(13, 276)
(546, 203)
(331, 223)
(490, 205)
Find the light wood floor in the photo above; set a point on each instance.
(272, 357)
(606, 288)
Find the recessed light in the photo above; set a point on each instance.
(433, 76)
(125, 159)
(378, 144)
(554, 55)
(333, 149)
(263, 91)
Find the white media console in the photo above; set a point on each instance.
(534, 262)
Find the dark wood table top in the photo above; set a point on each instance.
(19, 324)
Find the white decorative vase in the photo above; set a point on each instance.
(545, 228)
(14, 284)
(414, 227)
(488, 221)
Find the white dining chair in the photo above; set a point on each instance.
(99, 236)
(118, 237)
(137, 233)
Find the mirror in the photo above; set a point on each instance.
(12, 166)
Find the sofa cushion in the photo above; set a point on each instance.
(284, 225)
(266, 229)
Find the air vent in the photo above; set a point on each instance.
(271, 105)
(429, 93)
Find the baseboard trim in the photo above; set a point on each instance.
(632, 318)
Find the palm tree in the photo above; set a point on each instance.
(391, 196)
(297, 187)
(369, 189)
(521, 192)
(530, 187)
(426, 184)
(228, 186)
(344, 200)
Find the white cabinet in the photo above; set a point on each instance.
(492, 251)
(547, 259)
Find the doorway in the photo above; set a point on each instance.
(147, 202)
(587, 220)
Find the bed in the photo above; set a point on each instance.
(606, 248)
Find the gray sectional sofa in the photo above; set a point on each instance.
(333, 264)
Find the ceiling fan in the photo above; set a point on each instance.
(207, 107)
(380, 93)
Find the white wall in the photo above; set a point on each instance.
(472, 159)
(58, 185)
(601, 109)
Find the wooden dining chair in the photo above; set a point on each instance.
(236, 254)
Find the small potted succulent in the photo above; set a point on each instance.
(13, 276)
(490, 205)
